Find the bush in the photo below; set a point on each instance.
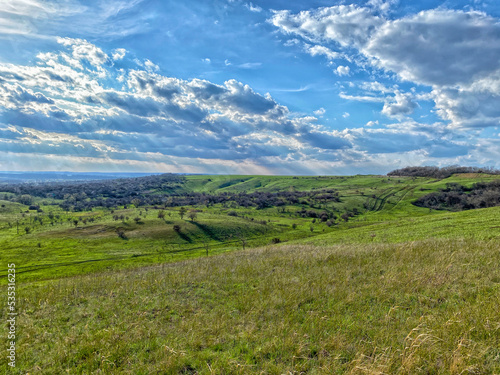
(121, 233)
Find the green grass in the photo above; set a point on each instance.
(398, 289)
(53, 251)
(428, 307)
(483, 224)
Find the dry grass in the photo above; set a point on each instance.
(427, 307)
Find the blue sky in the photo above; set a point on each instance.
(262, 87)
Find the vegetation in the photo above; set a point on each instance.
(436, 172)
(348, 274)
(415, 308)
(457, 197)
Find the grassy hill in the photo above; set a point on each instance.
(412, 308)
(334, 275)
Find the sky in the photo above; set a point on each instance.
(237, 87)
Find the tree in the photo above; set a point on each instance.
(161, 214)
(206, 244)
(243, 240)
(25, 199)
(182, 212)
(192, 215)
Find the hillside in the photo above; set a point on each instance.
(421, 307)
(252, 274)
(73, 228)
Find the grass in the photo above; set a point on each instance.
(398, 289)
(414, 308)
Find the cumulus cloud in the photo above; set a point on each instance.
(455, 52)
(320, 112)
(85, 51)
(383, 6)
(75, 102)
(342, 70)
(315, 50)
(348, 25)
(119, 53)
(401, 104)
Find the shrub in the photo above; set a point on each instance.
(121, 233)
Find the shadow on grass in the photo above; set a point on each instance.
(208, 231)
(184, 237)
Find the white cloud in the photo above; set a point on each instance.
(129, 114)
(150, 66)
(85, 51)
(250, 65)
(22, 16)
(381, 5)
(342, 70)
(401, 104)
(454, 52)
(362, 98)
(119, 53)
(206, 60)
(346, 114)
(61, 111)
(438, 47)
(321, 50)
(253, 8)
(349, 25)
(320, 112)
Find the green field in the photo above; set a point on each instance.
(389, 288)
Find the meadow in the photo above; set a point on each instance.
(363, 282)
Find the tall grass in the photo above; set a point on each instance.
(428, 307)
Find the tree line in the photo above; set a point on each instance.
(440, 173)
(456, 197)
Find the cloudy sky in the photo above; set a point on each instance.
(262, 87)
